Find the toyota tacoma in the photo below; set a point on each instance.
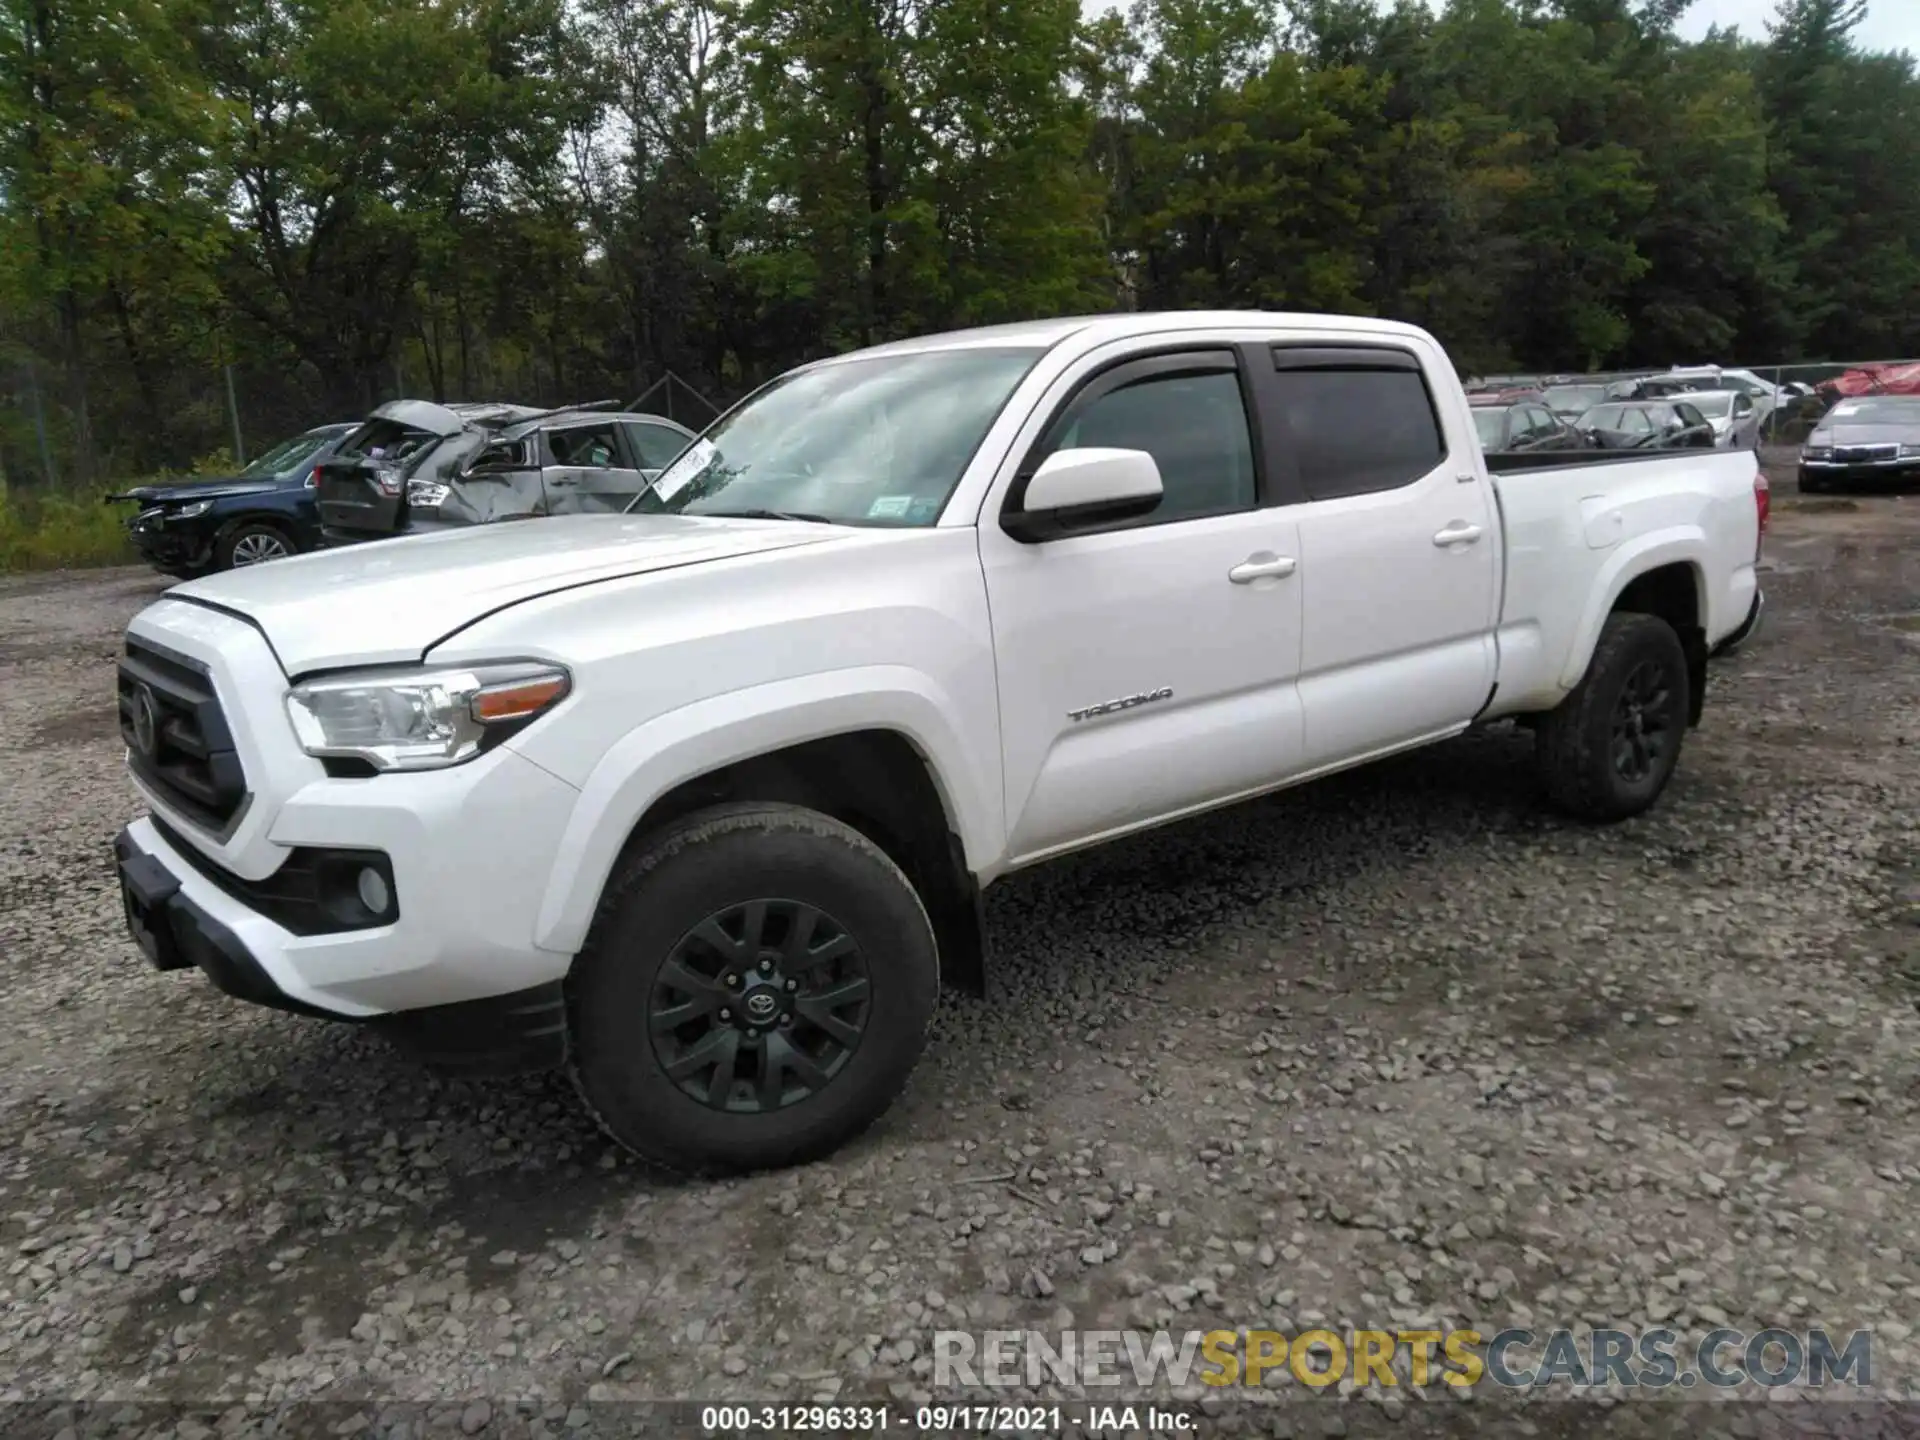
(697, 801)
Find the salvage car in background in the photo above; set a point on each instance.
(1733, 414)
(1872, 440)
(266, 512)
(1572, 400)
(417, 466)
(1519, 429)
(1646, 425)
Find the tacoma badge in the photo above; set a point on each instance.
(1126, 702)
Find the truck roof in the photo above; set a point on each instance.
(1045, 334)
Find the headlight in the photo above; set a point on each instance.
(426, 492)
(1910, 452)
(187, 512)
(422, 719)
(1817, 452)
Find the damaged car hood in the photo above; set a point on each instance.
(390, 601)
(190, 490)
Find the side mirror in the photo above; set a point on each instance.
(1075, 489)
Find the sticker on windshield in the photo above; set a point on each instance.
(676, 476)
(1845, 409)
(922, 511)
(889, 507)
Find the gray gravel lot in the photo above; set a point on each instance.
(1398, 1049)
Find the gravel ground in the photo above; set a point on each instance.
(1398, 1048)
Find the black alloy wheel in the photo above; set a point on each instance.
(1644, 722)
(760, 1006)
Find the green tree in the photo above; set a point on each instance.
(361, 133)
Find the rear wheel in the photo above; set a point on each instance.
(252, 542)
(1607, 751)
(755, 991)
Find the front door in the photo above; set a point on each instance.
(1147, 668)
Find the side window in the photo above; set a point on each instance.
(1743, 404)
(501, 455)
(657, 446)
(588, 446)
(1543, 422)
(1689, 416)
(1635, 422)
(1195, 427)
(1355, 431)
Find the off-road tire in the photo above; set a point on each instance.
(731, 855)
(1573, 743)
(231, 540)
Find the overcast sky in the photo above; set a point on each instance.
(1890, 24)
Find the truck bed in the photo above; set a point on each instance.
(1611, 514)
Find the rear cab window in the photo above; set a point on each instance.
(1357, 419)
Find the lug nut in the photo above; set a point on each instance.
(766, 967)
(733, 982)
(726, 1014)
(752, 1033)
(785, 1021)
(793, 984)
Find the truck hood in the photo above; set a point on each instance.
(389, 601)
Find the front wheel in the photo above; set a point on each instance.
(252, 542)
(1607, 751)
(754, 992)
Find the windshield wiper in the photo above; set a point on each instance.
(804, 515)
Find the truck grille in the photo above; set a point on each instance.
(1865, 454)
(177, 737)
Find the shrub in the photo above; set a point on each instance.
(56, 529)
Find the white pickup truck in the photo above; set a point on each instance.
(698, 801)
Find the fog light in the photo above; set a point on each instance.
(374, 894)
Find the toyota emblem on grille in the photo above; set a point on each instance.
(146, 721)
(761, 1006)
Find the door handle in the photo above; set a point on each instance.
(1250, 570)
(1458, 533)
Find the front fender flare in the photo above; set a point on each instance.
(722, 730)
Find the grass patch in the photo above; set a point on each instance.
(61, 529)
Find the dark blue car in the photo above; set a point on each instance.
(266, 512)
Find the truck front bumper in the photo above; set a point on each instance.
(449, 962)
(516, 1033)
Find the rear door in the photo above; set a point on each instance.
(588, 468)
(1399, 545)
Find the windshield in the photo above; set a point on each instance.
(1602, 417)
(1570, 399)
(1880, 410)
(1489, 423)
(281, 457)
(875, 441)
(1715, 405)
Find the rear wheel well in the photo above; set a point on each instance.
(1672, 592)
(877, 782)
